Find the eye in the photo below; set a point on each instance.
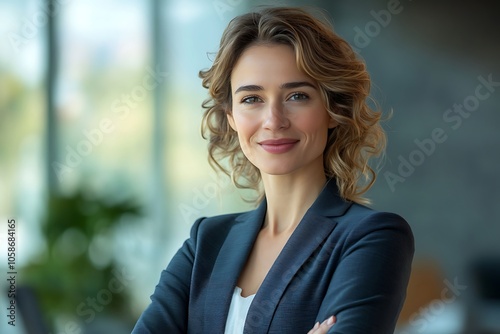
(298, 97)
(251, 99)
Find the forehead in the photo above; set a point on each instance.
(266, 63)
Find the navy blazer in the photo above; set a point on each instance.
(343, 259)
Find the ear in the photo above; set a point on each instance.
(230, 120)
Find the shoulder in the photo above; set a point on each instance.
(360, 216)
(217, 225)
(361, 222)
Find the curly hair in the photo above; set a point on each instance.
(344, 85)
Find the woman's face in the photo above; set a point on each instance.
(278, 112)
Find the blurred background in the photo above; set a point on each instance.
(103, 169)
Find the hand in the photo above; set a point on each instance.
(323, 327)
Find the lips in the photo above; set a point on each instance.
(280, 145)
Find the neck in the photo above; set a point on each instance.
(289, 197)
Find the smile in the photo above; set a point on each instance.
(277, 146)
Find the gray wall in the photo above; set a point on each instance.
(425, 63)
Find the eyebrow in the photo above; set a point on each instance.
(287, 85)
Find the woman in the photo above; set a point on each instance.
(288, 113)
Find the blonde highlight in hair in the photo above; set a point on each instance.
(344, 85)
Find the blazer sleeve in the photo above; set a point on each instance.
(368, 287)
(168, 311)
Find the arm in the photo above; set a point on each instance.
(168, 311)
(368, 287)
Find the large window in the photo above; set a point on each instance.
(100, 102)
(22, 130)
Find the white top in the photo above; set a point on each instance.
(237, 312)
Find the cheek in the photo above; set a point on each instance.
(246, 126)
(315, 125)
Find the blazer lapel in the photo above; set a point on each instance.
(313, 229)
(230, 261)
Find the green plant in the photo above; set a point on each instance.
(79, 262)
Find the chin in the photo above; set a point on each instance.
(282, 169)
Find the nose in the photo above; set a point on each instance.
(275, 117)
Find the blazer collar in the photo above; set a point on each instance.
(329, 203)
(312, 230)
(229, 263)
